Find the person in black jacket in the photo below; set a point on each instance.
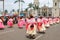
(5, 20)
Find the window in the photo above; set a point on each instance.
(55, 4)
(50, 14)
(38, 14)
(55, 9)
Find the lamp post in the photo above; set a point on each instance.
(3, 6)
(19, 7)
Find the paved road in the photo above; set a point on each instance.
(19, 34)
(53, 33)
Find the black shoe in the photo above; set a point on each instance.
(33, 37)
(30, 36)
(42, 32)
(20, 27)
(10, 27)
(47, 27)
(1, 28)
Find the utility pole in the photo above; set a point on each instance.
(19, 7)
(3, 6)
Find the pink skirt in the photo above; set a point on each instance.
(10, 23)
(20, 24)
(39, 26)
(1, 25)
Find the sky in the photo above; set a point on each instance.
(9, 4)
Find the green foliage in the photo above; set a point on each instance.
(35, 7)
(13, 10)
(30, 5)
(26, 9)
(15, 1)
(18, 10)
(19, 1)
(6, 11)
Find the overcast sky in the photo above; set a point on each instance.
(9, 4)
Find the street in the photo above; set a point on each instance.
(15, 33)
(34, 14)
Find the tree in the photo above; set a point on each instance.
(6, 11)
(26, 9)
(35, 8)
(18, 10)
(30, 5)
(3, 5)
(19, 3)
(13, 10)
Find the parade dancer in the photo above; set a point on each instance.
(57, 20)
(24, 23)
(31, 27)
(54, 20)
(1, 24)
(41, 27)
(50, 20)
(10, 22)
(46, 22)
(21, 22)
(6, 19)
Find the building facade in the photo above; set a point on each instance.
(36, 2)
(47, 11)
(55, 9)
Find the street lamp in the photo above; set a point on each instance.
(3, 4)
